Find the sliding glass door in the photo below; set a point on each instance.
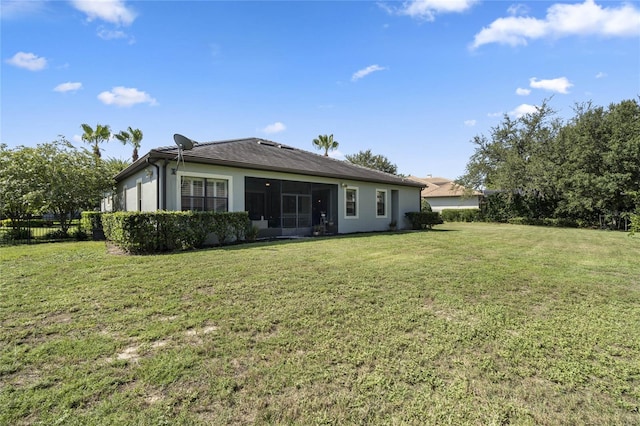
(296, 211)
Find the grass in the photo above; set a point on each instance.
(482, 325)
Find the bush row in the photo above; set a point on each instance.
(153, 232)
(461, 215)
(547, 221)
(33, 223)
(424, 219)
(635, 224)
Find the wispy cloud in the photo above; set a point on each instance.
(559, 85)
(68, 87)
(112, 11)
(523, 109)
(28, 61)
(601, 75)
(522, 92)
(126, 97)
(107, 34)
(428, 9)
(276, 127)
(366, 71)
(470, 123)
(15, 9)
(563, 20)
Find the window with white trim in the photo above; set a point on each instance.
(381, 203)
(204, 194)
(351, 202)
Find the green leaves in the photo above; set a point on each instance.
(377, 162)
(325, 142)
(582, 169)
(53, 177)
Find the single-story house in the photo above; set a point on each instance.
(285, 190)
(443, 193)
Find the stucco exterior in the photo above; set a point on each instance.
(155, 184)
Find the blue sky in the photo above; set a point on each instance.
(413, 81)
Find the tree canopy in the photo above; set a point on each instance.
(132, 137)
(368, 159)
(95, 137)
(325, 142)
(584, 169)
(52, 177)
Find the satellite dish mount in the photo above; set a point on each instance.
(184, 144)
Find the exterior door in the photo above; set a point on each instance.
(296, 212)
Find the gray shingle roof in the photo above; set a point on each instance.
(261, 154)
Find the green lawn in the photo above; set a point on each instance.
(467, 324)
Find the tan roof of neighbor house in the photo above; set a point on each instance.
(441, 187)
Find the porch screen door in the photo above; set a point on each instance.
(296, 211)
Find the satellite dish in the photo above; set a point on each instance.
(183, 142)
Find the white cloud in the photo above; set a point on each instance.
(337, 154)
(470, 123)
(126, 97)
(522, 92)
(28, 61)
(428, 9)
(495, 114)
(107, 34)
(601, 75)
(366, 71)
(523, 109)
(518, 9)
(560, 85)
(67, 87)
(276, 127)
(563, 20)
(18, 8)
(113, 11)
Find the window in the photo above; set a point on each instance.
(200, 194)
(351, 202)
(381, 203)
(139, 195)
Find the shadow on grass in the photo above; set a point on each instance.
(274, 241)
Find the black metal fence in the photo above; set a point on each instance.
(36, 230)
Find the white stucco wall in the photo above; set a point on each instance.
(441, 203)
(406, 198)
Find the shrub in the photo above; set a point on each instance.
(143, 232)
(57, 234)
(461, 215)
(635, 224)
(91, 221)
(16, 234)
(423, 220)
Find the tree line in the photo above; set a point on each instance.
(56, 177)
(585, 169)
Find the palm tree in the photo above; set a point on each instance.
(133, 137)
(325, 142)
(95, 138)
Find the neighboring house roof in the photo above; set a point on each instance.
(441, 187)
(261, 154)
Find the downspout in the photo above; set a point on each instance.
(154, 164)
(164, 184)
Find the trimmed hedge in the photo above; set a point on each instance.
(153, 232)
(553, 222)
(423, 220)
(635, 224)
(461, 215)
(24, 223)
(91, 224)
